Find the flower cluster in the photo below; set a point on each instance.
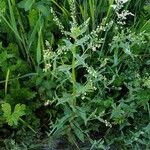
(83, 96)
(92, 72)
(47, 55)
(121, 16)
(57, 21)
(62, 50)
(127, 39)
(108, 124)
(119, 4)
(95, 41)
(47, 67)
(73, 11)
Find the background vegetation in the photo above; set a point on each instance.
(74, 74)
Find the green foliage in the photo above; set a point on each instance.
(12, 118)
(3, 6)
(75, 69)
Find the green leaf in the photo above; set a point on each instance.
(12, 16)
(29, 4)
(148, 62)
(26, 4)
(19, 110)
(59, 125)
(68, 43)
(67, 98)
(35, 29)
(2, 6)
(81, 112)
(13, 118)
(81, 59)
(82, 41)
(111, 2)
(33, 17)
(146, 27)
(43, 9)
(147, 8)
(6, 108)
(84, 27)
(78, 131)
(38, 54)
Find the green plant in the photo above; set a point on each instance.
(81, 68)
(12, 118)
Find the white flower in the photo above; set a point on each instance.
(114, 6)
(123, 16)
(119, 5)
(47, 103)
(121, 1)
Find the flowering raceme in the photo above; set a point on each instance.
(121, 15)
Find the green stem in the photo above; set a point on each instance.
(6, 81)
(28, 126)
(74, 76)
(106, 20)
(108, 12)
(148, 109)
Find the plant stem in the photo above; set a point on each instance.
(6, 81)
(74, 75)
(108, 13)
(28, 126)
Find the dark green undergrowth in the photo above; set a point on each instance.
(74, 74)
